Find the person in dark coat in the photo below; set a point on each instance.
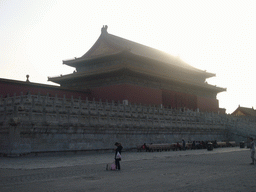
(252, 146)
(183, 144)
(144, 146)
(117, 160)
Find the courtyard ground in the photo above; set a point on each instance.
(223, 169)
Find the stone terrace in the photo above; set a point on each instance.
(36, 123)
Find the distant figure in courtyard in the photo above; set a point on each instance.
(183, 144)
(144, 146)
(178, 146)
(118, 155)
(194, 145)
(252, 146)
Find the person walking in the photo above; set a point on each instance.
(118, 155)
(252, 146)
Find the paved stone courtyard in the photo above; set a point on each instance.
(223, 169)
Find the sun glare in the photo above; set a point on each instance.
(216, 36)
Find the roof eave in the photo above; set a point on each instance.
(142, 71)
(201, 72)
(80, 61)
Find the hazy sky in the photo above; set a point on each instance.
(218, 36)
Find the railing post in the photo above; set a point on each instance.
(68, 116)
(21, 98)
(30, 115)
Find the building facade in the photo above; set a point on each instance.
(121, 70)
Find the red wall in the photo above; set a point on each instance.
(132, 93)
(17, 87)
(207, 104)
(179, 100)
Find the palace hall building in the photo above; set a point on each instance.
(118, 69)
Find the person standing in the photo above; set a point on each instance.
(252, 146)
(183, 144)
(194, 145)
(117, 153)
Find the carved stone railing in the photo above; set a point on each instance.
(28, 115)
(38, 108)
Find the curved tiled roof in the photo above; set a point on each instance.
(244, 111)
(117, 44)
(145, 51)
(138, 70)
(109, 47)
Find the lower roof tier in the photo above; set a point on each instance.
(135, 77)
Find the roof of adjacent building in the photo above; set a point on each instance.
(243, 111)
(38, 85)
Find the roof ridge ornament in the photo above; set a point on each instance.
(104, 29)
(27, 76)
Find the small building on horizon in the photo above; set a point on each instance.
(243, 111)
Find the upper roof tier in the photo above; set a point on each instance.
(108, 44)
